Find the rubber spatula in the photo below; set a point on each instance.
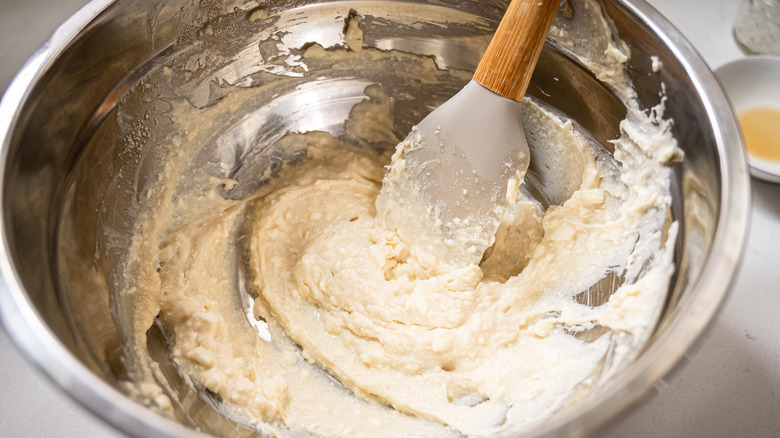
(456, 172)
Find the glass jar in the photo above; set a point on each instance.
(757, 27)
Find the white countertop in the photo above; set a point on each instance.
(730, 388)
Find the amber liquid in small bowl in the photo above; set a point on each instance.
(761, 131)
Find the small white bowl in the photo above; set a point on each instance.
(753, 82)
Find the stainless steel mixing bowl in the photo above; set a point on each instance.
(74, 159)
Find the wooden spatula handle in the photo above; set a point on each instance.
(509, 60)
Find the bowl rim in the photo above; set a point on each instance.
(658, 362)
